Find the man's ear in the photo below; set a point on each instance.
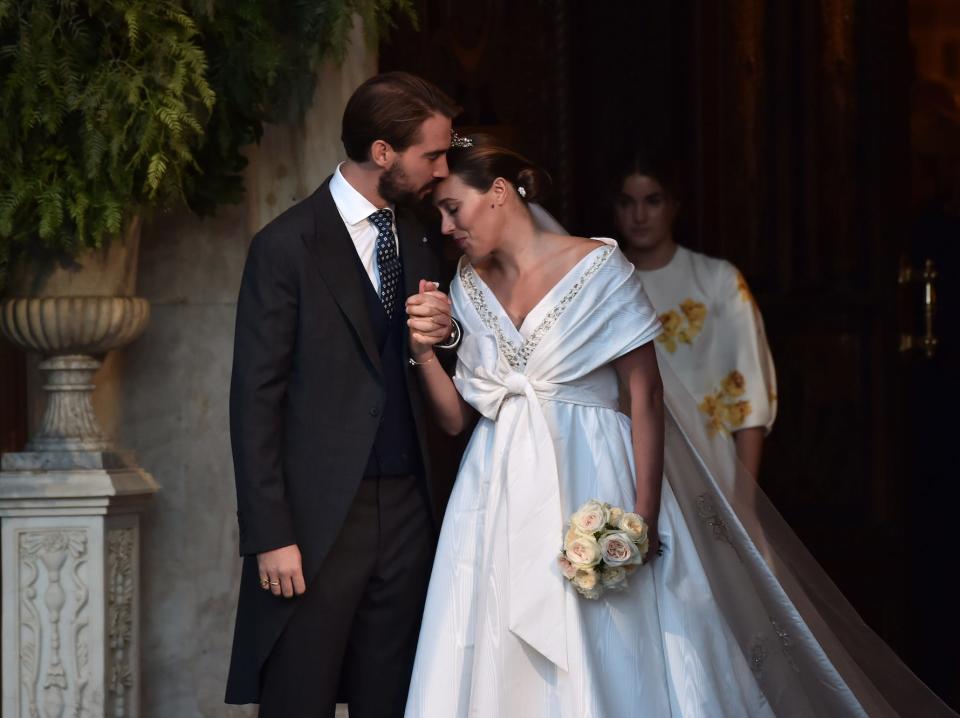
(382, 154)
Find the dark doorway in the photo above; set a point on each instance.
(930, 300)
(13, 399)
(799, 128)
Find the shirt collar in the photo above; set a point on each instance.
(353, 206)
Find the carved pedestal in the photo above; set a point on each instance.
(70, 560)
(69, 525)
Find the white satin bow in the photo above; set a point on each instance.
(537, 591)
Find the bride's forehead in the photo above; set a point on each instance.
(452, 187)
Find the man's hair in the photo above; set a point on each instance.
(391, 107)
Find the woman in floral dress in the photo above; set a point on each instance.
(713, 335)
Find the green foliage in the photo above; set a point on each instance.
(263, 61)
(103, 104)
(113, 107)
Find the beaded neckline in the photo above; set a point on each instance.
(517, 356)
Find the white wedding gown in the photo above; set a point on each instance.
(734, 619)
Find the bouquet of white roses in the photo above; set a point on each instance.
(602, 546)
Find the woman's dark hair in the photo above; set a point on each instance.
(485, 160)
(657, 165)
(391, 107)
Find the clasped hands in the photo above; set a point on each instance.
(429, 318)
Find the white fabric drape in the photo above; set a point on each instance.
(735, 619)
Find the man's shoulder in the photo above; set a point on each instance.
(300, 215)
(295, 222)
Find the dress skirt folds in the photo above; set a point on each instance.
(734, 619)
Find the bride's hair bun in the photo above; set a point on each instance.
(535, 183)
(483, 159)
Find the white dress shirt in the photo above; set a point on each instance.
(355, 210)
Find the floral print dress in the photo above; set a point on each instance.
(713, 339)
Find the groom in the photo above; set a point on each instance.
(337, 528)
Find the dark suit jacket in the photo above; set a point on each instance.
(305, 401)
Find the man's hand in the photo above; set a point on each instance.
(429, 318)
(281, 571)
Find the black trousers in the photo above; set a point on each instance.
(354, 634)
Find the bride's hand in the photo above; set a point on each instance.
(429, 320)
(652, 534)
(654, 538)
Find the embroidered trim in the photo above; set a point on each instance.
(708, 513)
(488, 318)
(758, 656)
(758, 649)
(786, 644)
(518, 356)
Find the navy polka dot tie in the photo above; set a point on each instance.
(388, 261)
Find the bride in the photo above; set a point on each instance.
(732, 618)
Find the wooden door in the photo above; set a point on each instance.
(930, 385)
(792, 119)
(793, 122)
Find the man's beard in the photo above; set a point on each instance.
(394, 187)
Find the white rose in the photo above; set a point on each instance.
(642, 548)
(588, 584)
(591, 517)
(617, 549)
(586, 579)
(634, 527)
(583, 552)
(574, 533)
(616, 513)
(568, 569)
(614, 578)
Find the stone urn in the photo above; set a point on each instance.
(71, 315)
(70, 504)
(70, 333)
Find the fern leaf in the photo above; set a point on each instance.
(113, 217)
(131, 16)
(171, 118)
(155, 172)
(50, 204)
(96, 148)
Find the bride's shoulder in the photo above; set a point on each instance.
(576, 247)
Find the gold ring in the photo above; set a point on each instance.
(264, 583)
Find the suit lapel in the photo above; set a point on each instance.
(414, 253)
(336, 258)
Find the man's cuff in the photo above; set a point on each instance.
(455, 335)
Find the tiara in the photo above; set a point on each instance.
(459, 141)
